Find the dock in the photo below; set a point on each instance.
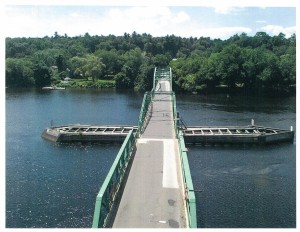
(249, 134)
(87, 133)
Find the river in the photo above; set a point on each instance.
(54, 186)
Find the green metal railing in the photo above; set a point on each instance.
(154, 79)
(171, 79)
(174, 113)
(162, 73)
(186, 174)
(110, 188)
(187, 180)
(145, 112)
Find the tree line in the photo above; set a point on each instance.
(242, 61)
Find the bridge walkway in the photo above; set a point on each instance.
(154, 193)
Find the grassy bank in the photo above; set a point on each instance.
(83, 83)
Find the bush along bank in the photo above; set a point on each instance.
(97, 84)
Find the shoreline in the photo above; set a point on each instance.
(239, 91)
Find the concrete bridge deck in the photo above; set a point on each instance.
(154, 193)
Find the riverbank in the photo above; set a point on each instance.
(199, 90)
(86, 83)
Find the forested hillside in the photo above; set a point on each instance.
(128, 61)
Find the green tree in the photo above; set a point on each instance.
(231, 65)
(123, 81)
(19, 73)
(212, 71)
(287, 66)
(271, 76)
(262, 39)
(76, 49)
(60, 62)
(133, 59)
(78, 67)
(250, 67)
(50, 57)
(111, 60)
(41, 74)
(144, 79)
(93, 67)
(161, 60)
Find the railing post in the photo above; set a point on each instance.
(153, 87)
(144, 111)
(171, 79)
(193, 213)
(112, 183)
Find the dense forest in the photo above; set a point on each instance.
(198, 64)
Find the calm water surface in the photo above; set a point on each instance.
(51, 185)
(243, 187)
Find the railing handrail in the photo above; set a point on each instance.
(145, 109)
(187, 179)
(171, 79)
(186, 174)
(174, 113)
(153, 87)
(161, 71)
(111, 185)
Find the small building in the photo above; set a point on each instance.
(67, 79)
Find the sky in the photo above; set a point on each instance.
(215, 20)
